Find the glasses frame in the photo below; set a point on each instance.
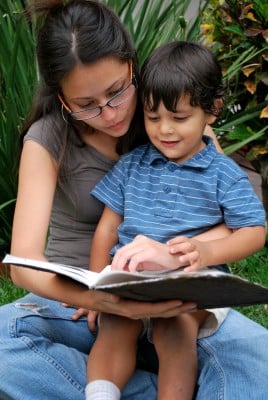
(74, 114)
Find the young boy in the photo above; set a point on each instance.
(176, 185)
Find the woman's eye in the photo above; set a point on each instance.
(90, 104)
(115, 92)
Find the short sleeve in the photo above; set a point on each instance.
(48, 134)
(110, 189)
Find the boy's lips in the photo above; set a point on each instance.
(169, 144)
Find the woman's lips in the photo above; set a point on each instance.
(117, 125)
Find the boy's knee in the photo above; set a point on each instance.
(119, 325)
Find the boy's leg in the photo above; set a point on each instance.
(113, 356)
(175, 340)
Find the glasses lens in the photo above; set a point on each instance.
(120, 98)
(86, 114)
(123, 96)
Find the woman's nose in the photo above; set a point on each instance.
(107, 113)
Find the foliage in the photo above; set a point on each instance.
(237, 32)
(152, 22)
(17, 78)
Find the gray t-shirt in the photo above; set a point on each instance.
(75, 212)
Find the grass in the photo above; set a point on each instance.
(252, 268)
(8, 291)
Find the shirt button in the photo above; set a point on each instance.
(172, 167)
(167, 189)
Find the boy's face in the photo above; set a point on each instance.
(177, 135)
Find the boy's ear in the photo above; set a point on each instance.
(217, 106)
(215, 111)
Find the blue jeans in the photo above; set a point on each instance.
(43, 356)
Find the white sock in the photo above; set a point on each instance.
(101, 389)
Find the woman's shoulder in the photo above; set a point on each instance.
(46, 131)
(43, 129)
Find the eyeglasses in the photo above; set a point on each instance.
(116, 101)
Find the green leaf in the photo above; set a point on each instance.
(236, 146)
(234, 29)
(18, 77)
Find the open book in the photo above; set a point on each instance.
(208, 288)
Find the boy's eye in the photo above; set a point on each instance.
(180, 118)
(151, 118)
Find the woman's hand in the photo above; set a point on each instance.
(112, 304)
(145, 254)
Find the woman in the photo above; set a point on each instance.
(86, 58)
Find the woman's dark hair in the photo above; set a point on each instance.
(75, 31)
(178, 68)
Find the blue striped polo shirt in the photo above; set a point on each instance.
(161, 199)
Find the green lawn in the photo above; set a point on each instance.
(8, 291)
(254, 268)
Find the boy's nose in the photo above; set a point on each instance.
(166, 128)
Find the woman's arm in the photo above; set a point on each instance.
(37, 183)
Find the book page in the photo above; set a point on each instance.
(111, 277)
(81, 275)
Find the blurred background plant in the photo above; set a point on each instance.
(17, 80)
(154, 22)
(237, 32)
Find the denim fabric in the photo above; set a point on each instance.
(43, 356)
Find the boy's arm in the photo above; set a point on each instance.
(105, 237)
(217, 232)
(240, 244)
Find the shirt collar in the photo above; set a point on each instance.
(201, 160)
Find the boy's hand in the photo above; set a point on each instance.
(147, 254)
(191, 252)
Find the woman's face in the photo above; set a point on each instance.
(92, 85)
